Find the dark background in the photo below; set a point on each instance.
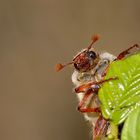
(36, 103)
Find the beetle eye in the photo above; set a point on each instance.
(92, 54)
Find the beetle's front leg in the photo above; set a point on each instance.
(92, 85)
(125, 52)
(121, 56)
(81, 107)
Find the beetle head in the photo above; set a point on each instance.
(85, 61)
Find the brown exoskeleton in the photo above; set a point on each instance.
(88, 77)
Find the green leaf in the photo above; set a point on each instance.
(120, 97)
(131, 129)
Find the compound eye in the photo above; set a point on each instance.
(92, 54)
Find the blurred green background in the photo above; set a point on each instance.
(36, 103)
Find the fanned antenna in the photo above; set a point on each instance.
(60, 66)
(94, 39)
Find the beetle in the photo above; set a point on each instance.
(90, 68)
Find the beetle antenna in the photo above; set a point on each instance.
(59, 66)
(94, 39)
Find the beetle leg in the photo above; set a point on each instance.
(92, 85)
(105, 71)
(81, 107)
(100, 129)
(121, 56)
(86, 87)
(124, 53)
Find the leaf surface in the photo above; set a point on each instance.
(120, 97)
(131, 129)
